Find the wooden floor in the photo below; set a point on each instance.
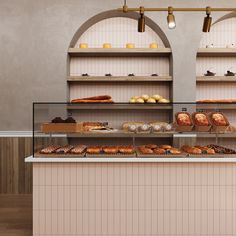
(16, 215)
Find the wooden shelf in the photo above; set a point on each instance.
(216, 52)
(214, 106)
(119, 79)
(119, 106)
(216, 78)
(111, 52)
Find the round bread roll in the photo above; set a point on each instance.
(159, 151)
(145, 97)
(135, 97)
(110, 150)
(132, 128)
(144, 127)
(152, 146)
(132, 100)
(163, 100)
(157, 97)
(139, 100)
(151, 100)
(167, 127)
(126, 149)
(145, 150)
(156, 128)
(174, 151)
(165, 146)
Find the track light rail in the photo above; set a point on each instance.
(179, 9)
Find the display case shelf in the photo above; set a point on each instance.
(199, 159)
(119, 106)
(215, 52)
(124, 134)
(114, 52)
(119, 79)
(216, 78)
(115, 134)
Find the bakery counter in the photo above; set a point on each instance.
(172, 159)
(129, 196)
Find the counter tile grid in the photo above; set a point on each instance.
(134, 199)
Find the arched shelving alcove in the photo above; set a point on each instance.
(118, 29)
(217, 54)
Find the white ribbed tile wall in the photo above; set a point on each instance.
(218, 65)
(120, 92)
(222, 34)
(119, 66)
(224, 90)
(118, 31)
(131, 199)
(116, 118)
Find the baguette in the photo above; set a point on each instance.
(92, 101)
(102, 97)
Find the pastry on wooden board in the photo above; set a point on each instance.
(165, 146)
(145, 150)
(159, 151)
(64, 150)
(126, 149)
(206, 150)
(152, 146)
(49, 150)
(221, 150)
(174, 151)
(79, 149)
(191, 150)
(110, 149)
(94, 149)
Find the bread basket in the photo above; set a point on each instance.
(183, 128)
(201, 128)
(218, 128)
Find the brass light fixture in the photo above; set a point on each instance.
(141, 20)
(171, 18)
(207, 21)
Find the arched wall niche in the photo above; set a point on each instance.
(223, 32)
(222, 35)
(114, 13)
(120, 66)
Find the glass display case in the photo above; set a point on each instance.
(122, 130)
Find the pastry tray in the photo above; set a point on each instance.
(117, 155)
(154, 155)
(58, 155)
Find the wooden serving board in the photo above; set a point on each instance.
(61, 127)
(154, 155)
(103, 155)
(56, 155)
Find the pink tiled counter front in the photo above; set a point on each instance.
(134, 199)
